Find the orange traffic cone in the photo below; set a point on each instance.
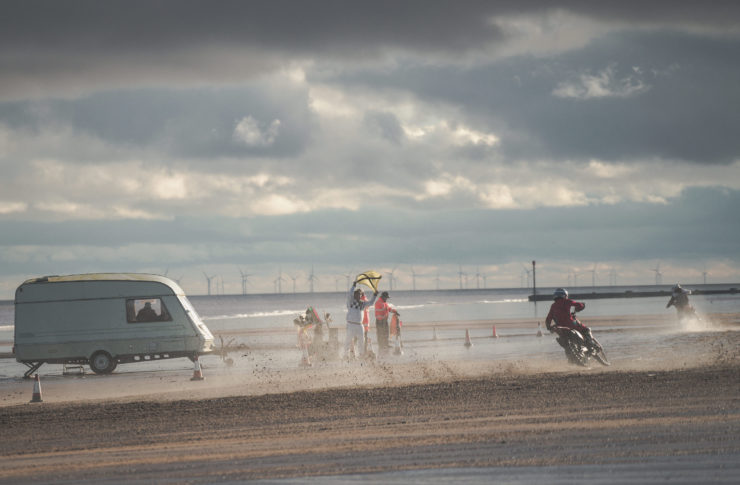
(539, 330)
(197, 374)
(495, 335)
(468, 343)
(36, 390)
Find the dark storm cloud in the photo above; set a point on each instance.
(46, 45)
(386, 125)
(684, 106)
(121, 26)
(725, 13)
(685, 112)
(185, 123)
(129, 41)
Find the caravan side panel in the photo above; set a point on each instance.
(68, 321)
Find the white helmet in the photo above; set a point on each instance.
(677, 290)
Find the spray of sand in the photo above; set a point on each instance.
(630, 346)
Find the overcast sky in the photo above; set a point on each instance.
(420, 137)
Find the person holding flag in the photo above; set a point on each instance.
(356, 308)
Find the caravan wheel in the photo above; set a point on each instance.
(102, 363)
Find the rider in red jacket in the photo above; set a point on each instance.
(560, 313)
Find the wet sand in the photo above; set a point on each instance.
(367, 418)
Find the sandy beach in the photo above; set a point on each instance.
(680, 402)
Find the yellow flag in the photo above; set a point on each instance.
(369, 278)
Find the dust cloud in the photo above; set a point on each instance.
(631, 344)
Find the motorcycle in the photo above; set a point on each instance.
(579, 349)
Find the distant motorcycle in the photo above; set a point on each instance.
(680, 300)
(579, 349)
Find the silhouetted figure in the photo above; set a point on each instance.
(147, 314)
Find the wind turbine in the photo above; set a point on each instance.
(279, 282)
(704, 274)
(245, 280)
(294, 278)
(477, 277)
(209, 278)
(658, 275)
(460, 274)
(391, 278)
(613, 277)
(526, 271)
(437, 279)
(311, 278)
(593, 276)
(413, 278)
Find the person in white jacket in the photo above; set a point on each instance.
(355, 309)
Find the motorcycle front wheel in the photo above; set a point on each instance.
(598, 352)
(575, 353)
(600, 355)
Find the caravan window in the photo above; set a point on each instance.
(147, 310)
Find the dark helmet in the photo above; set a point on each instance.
(385, 295)
(560, 293)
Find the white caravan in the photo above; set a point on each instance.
(105, 319)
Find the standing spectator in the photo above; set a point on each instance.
(382, 310)
(355, 309)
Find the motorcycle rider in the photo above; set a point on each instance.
(560, 314)
(680, 299)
